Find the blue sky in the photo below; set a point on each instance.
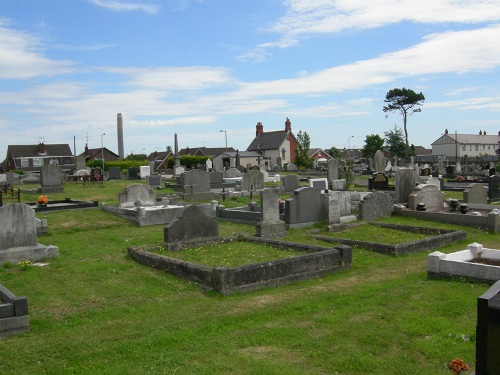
(195, 67)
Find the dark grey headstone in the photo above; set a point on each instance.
(115, 173)
(196, 181)
(376, 205)
(153, 181)
(193, 225)
(405, 182)
(333, 169)
(494, 188)
(307, 205)
(216, 177)
(133, 173)
(290, 182)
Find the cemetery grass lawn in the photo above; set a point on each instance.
(229, 254)
(93, 310)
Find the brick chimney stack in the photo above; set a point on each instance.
(259, 129)
(288, 125)
(41, 148)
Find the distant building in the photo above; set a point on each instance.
(92, 154)
(31, 158)
(204, 151)
(275, 144)
(318, 154)
(160, 160)
(454, 146)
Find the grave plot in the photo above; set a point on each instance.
(392, 237)
(474, 263)
(194, 230)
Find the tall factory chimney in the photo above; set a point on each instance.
(119, 125)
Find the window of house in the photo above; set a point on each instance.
(484, 146)
(489, 147)
(476, 147)
(66, 160)
(37, 162)
(54, 161)
(470, 147)
(25, 162)
(463, 147)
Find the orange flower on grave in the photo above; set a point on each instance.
(457, 366)
(42, 199)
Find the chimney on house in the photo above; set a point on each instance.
(480, 132)
(288, 125)
(484, 132)
(259, 129)
(41, 148)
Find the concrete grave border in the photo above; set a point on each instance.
(318, 261)
(438, 237)
(13, 313)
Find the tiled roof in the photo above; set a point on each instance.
(268, 141)
(31, 151)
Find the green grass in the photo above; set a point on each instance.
(95, 311)
(229, 254)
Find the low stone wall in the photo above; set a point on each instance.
(318, 261)
(438, 238)
(491, 221)
(13, 313)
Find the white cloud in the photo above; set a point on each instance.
(22, 57)
(126, 6)
(450, 52)
(310, 17)
(489, 103)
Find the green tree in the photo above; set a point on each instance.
(404, 101)
(396, 143)
(373, 143)
(335, 153)
(303, 144)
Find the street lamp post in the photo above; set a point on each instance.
(225, 135)
(102, 154)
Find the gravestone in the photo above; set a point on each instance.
(458, 167)
(178, 170)
(305, 207)
(270, 225)
(216, 177)
(476, 193)
(232, 173)
(320, 183)
(333, 169)
(135, 195)
(153, 181)
(18, 235)
(115, 173)
(429, 195)
(290, 167)
(375, 206)
(378, 181)
(426, 171)
(209, 164)
(50, 179)
(435, 181)
(9, 179)
(81, 162)
(196, 181)
(339, 185)
(494, 188)
(144, 171)
(379, 160)
(133, 173)
(253, 180)
(405, 182)
(193, 226)
(290, 182)
(339, 207)
(488, 331)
